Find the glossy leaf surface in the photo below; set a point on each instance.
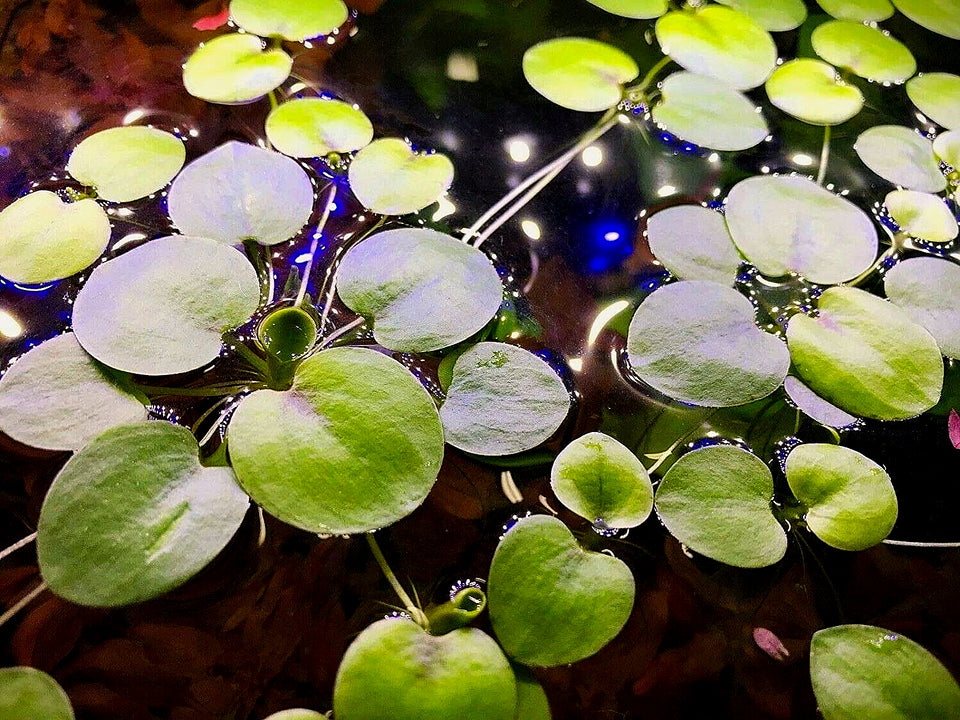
(388, 177)
(812, 91)
(692, 242)
(901, 156)
(928, 290)
(313, 127)
(233, 69)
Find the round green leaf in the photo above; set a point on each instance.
(424, 290)
(297, 714)
(312, 127)
(816, 407)
(719, 42)
(29, 694)
(697, 342)
(812, 91)
(851, 503)
(937, 95)
(946, 146)
(772, 15)
(43, 238)
(922, 215)
(388, 177)
(532, 703)
(395, 670)
(636, 9)
(862, 671)
(552, 602)
(57, 397)
(940, 16)
(866, 356)
(133, 515)
(864, 50)
(234, 69)
(928, 290)
(901, 156)
(858, 10)
(785, 224)
(502, 400)
(289, 19)
(161, 308)
(599, 479)
(692, 242)
(708, 113)
(716, 501)
(239, 192)
(578, 73)
(354, 445)
(127, 163)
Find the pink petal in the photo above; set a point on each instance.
(770, 644)
(212, 22)
(953, 427)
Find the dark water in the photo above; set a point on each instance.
(263, 628)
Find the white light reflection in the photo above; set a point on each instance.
(604, 317)
(463, 67)
(531, 229)
(592, 156)
(518, 149)
(446, 208)
(9, 327)
(666, 191)
(803, 160)
(132, 116)
(576, 364)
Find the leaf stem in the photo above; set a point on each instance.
(824, 155)
(340, 332)
(415, 612)
(649, 77)
(22, 603)
(917, 544)
(537, 180)
(17, 545)
(314, 244)
(198, 392)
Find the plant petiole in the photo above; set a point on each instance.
(304, 281)
(824, 155)
(22, 603)
(415, 612)
(17, 545)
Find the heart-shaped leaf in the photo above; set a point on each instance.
(578, 73)
(812, 91)
(928, 289)
(29, 694)
(785, 224)
(937, 95)
(697, 342)
(692, 242)
(552, 602)
(312, 127)
(161, 308)
(57, 397)
(850, 501)
(858, 10)
(941, 16)
(502, 400)
(708, 113)
(637, 9)
(922, 215)
(127, 163)
(599, 479)
(353, 446)
(864, 50)
(289, 19)
(946, 146)
(718, 42)
(133, 515)
(388, 177)
(772, 15)
(239, 192)
(43, 238)
(396, 669)
(814, 406)
(862, 671)
(233, 69)
(901, 156)
(716, 501)
(866, 356)
(424, 290)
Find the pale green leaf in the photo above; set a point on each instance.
(636, 9)
(234, 69)
(941, 16)
(388, 177)
(692, 242)
(133, 515)
(716, 501)
(552, 602)
(161, 308)
(772, 15)
(901, 156)
(424, 290)
(43, 238)
(785, 224)
(812, 91)
(313, 127)
(937, 95)
(858, 10)
(814, 406)
(928, 289)
(127, 163)
(864, 50)
(946, 146)
(294, 20)
(866, 356)
(697, 342)
(30, 694)
(922, 215)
